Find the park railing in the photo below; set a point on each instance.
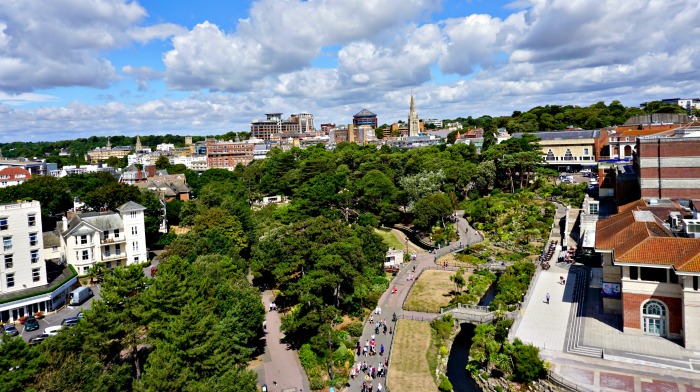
(566, 385)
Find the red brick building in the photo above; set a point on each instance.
(228, 154)
(669, 167)
(650, 277)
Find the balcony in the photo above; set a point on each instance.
(112, 240)
(113, 256)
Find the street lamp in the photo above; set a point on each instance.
(330, 345)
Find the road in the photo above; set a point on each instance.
(55, 318)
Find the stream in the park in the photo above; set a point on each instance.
(459, 354)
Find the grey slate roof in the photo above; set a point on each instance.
(131, 206)
(51, 239)
(365, 113)
(87, 223)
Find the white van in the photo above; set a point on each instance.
(80, 295)
(51, 331)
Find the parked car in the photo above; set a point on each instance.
(69, 322)
(80, 315)
(11, 330)
(31, 324)
(51, 331)
(37, 339)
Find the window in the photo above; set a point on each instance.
(3, 223)
(568, 156)
(34, 256)
(31, 220)
(136, 259)
(132, 214)
(696, 282)
(593, 208)
(108, 264)
(118, 249)
(116, 233)
(673, 278)
(634, 273)
(585, 152)
(86, 270)
(135, 246)
(653, 274)
(86, 255)
(134, 230)
(9, 261)
(83, 240)
(654, 318)
(36, 274)
(107, 252)
(7, 243)
(119, 262)
(10, 280)
(33, 239)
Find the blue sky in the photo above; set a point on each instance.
(121, 67)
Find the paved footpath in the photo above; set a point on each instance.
(392, 303)
(281, 367)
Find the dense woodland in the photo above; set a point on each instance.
(199, 322)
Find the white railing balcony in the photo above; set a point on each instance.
(112, 240)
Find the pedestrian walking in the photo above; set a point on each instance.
(547, 298)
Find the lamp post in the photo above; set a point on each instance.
(330, 345)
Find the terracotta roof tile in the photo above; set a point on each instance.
(13, 171)
(690, 265)
(661, 251)
(631, 206)
(635, 239)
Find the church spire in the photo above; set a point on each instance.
(138, 143)
(413, 122)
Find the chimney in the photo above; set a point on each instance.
(64, 220)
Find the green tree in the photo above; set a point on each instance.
(376, 193)
(431, 210)
(163, 163)
(20, 364)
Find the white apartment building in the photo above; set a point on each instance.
(165, 147)
(112, 238)
(22, 266)
(24, 286)
(197, 163)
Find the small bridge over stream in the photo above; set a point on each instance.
(475, 314)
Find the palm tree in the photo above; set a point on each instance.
(96, 272)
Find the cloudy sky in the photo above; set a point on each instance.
(76, 68)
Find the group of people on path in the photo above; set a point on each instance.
(370, 373)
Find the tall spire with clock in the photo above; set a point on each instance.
(413, 122)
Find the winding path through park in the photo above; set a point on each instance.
(393, 303)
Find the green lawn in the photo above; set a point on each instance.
(389, 238)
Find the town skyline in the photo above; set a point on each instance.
(146, 68)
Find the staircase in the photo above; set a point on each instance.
(576, 317)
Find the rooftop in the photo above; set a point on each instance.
(365, 113)
(56, 274)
